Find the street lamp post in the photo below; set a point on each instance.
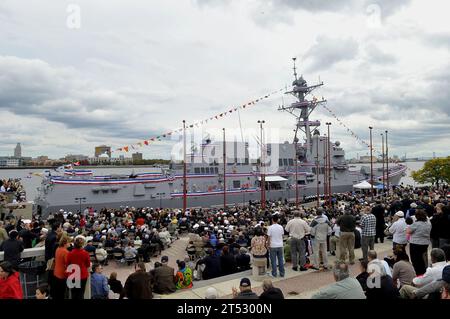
(317, 171)
(382, 157)
(160, 198)
(80, 199)
(329, 164)
(325, 170)
(371, 163)
(296, 172)
(387, 163)
(184, 169)
(262, 173)
(224, 172)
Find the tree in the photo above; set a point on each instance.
(435, 171)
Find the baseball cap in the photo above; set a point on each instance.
(164, 259)
(446, 274)
(245, 282)
(400, 214)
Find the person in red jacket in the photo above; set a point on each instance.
(78, 263)
(10, 287)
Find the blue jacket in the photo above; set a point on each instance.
(99, 286)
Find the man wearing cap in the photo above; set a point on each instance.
(398, 229)
(164, 278)
(245, 288)
(446, 279)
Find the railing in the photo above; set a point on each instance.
(27, 253)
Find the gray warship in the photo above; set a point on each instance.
(292, 170)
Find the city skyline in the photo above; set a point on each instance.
(120, 84)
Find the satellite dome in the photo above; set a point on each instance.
(337, 143)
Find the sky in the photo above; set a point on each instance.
(76, 74)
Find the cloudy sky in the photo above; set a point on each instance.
(127, 71)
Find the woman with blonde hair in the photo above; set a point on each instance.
(58, 288)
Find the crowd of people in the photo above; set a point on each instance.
(224, 242)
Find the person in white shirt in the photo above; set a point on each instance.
(297, 229)
(275, 233)
(432, 274)
(375, 262)
(398, 229)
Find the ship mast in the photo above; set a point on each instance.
(302, 108)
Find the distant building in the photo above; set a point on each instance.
(102, 149)
(10, 162)
(18, 151)
(75, 157)
(136, 157)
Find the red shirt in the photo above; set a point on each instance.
(81, 258)
(140, 221)
(10, 287)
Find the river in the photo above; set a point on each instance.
(32, 182)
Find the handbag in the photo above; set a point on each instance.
(50, 264)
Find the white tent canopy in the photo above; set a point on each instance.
(275, 178)
(363, 185)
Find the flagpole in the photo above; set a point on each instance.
(387, 163)
(184, 169)
(224, 172)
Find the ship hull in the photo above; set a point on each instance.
(47, 205)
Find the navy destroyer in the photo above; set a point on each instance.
(290, 170)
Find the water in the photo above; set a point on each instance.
(31, 183)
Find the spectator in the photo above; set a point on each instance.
(297, 229)
(420, 240)
(363, 275)
(270, 292)
(375, 263)
(259, 252)
(347, 224)
(10, 287)
(245, 292)
(42, 292)
(27, 235)
(444, 227)
(3, 232)
(99, 283)
(403, 272)
(212, 267)
(101, 255)
(183, 276)
(446, 280)
(12, 248)
(138, 284)
(434, 272)
(78, 258)
(58, 285)
(345, 286)
(378, 212)
(368, 226)
(398, 229)
(243, 259)
(164, 280)
(379, 283)
(114, 283)
(227, 262)
(320, 229)
(275, 233)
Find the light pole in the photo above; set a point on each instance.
(387, 163)
(80, 199)
(325, 170)
(261, 169)
(329, 164)
(371, 163)
(160, 198)
(296, 171)
(382, 157)
(317, 170)
(184, 169)
(224, 172)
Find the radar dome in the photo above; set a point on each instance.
(337, 143)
